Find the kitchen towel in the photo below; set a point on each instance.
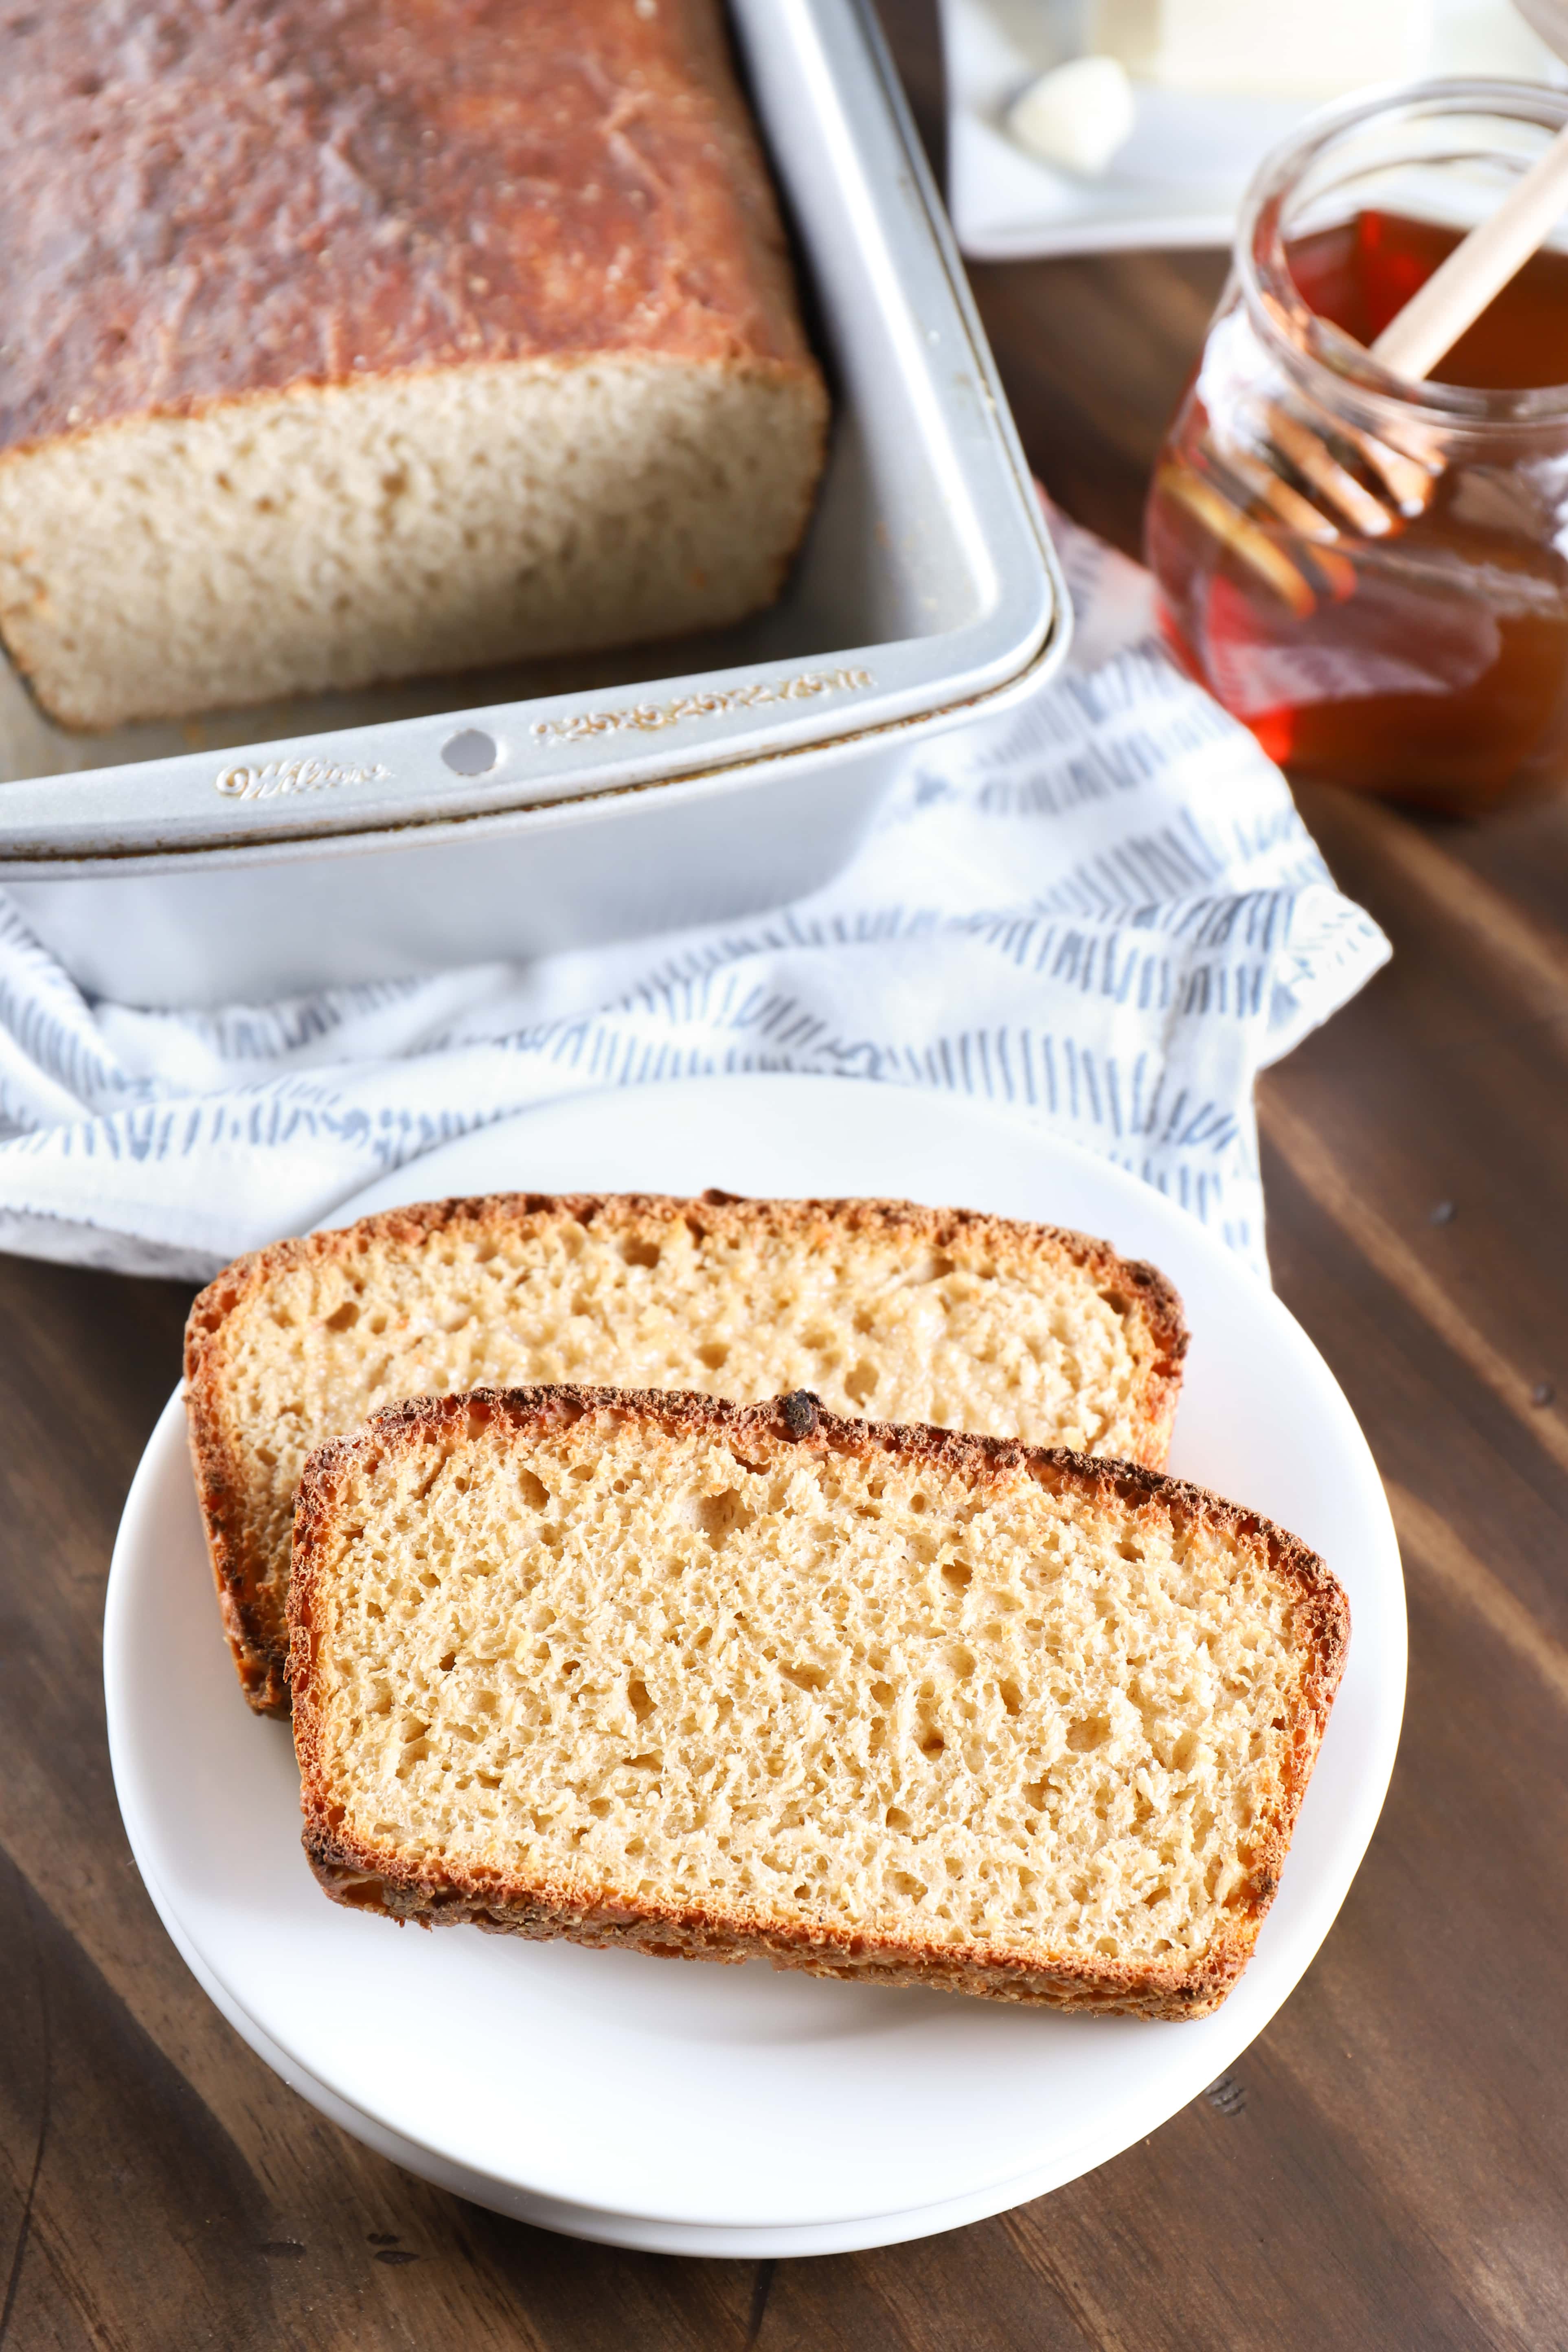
(1099, 909)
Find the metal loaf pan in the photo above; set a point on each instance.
(411, 828)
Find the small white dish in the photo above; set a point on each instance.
(1181, 175)
(736, 2111)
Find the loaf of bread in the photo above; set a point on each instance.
(888, 1704)
(361, 339)
(912, 1314)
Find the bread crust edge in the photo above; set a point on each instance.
(355, 1873)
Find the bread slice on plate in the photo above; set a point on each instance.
(913, 1314)
(890, 1704)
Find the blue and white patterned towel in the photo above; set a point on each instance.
(1100, 909)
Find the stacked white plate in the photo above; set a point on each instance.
(697, 2109)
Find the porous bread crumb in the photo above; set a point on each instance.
(648, 1670)
(881, 1309)
(399, 527)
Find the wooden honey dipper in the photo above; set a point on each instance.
(1290, 468)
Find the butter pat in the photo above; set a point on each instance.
(1265, 49)
(1075, 116)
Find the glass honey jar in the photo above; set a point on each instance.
(1373, 574)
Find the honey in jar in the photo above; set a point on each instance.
(1373, 575)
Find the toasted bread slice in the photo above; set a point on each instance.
(925, 1315)
(888, 1704)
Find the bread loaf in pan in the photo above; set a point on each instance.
(881, 1703)
(884, 1307)
(361, 339)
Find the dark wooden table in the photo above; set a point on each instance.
(1388, 2167)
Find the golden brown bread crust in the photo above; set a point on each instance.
(356, 1873)
(252, 1614)
(201, 203)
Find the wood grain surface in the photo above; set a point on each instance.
(1388, 2165)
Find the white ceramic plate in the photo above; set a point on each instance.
(1178, 179)
(736, 2110)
